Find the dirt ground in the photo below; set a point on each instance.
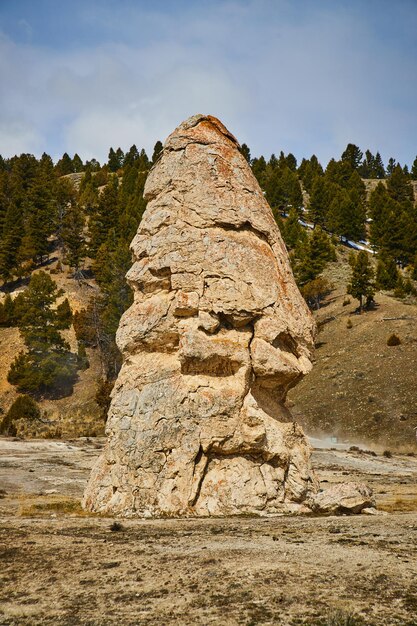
(60, 567)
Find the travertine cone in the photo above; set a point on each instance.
(217, 334)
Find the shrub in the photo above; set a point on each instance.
(315, 291)
(64, 315)
(24, 407)
(84, 327)
(346, 301)
(7, 312)
(387, 454)
(82, 358)
(103, 398)
(393, 340)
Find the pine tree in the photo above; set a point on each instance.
(399, 186)
(77, 164)
(308, 172)
(291, 162)
(24, 407)
(313, 257)
(47, 365)
(319, 201)
(131, 156)
(73, 238)
(10, 242)
(362, 280)
(7, 315)
(244, 149)
(105, 218)
(293, 233)
(120, 157)
(387, 274)
(390, 166)
(414, 169)
(379, 166)
(64, 165)
(158, 147)
(113, 161)
(352, 155)
(40, 214)
(258, 169)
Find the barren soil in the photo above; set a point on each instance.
(59, 566)
(360, 388)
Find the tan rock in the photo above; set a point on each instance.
(217, 334)
(348, 497)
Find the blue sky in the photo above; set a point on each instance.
(303, 76)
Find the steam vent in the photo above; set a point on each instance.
(216, 336)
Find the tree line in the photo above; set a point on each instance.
(89, 225)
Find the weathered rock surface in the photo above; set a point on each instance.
(216, 336)
(349, 497)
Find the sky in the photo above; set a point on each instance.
(302, 76)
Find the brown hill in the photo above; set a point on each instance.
(360, 388)
(74, 415)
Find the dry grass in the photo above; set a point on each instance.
(45, 506)
(402, 504)
(360, 389)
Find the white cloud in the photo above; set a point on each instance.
(303, 83)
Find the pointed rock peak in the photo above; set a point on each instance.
(217, 334)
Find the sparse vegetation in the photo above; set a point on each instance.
(393, 340)
(23, 408)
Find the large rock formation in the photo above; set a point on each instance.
(216, 336)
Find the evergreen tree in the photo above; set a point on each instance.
(308, 172)
(244, 149)
(158, 147)
(313, 257)
(131, 156)
(65, 165)
(291, 162)
(73, 238)
(379, 168)
(24, 407)
(10, 242)
(105, 218)
(47, 364)
(387, 274)
(367, 166)
(362, 280)
(113, 161)
(258, 169)
(413, 172)
(293, 233)
(399, 186)
(63, 315)
(7, 315)
(40, 214)
(390, 166)
(352, 155)
(77, 164)
(319, 201)
(120, 157)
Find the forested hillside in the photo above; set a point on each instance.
(64, 251)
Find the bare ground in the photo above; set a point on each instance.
(59, 566)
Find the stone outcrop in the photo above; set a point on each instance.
(217, 335)
(344, 498)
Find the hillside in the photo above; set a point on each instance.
(75, 221)
(360, 389)
(74, 415)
